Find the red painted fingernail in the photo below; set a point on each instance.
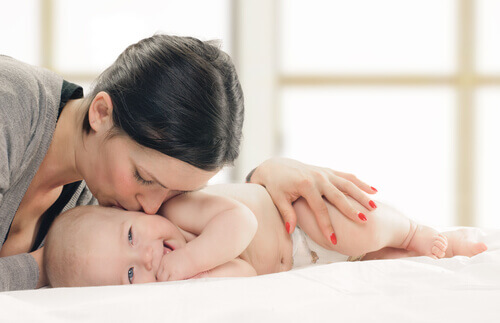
(333, 238)
(372, 204)
(287, 225)
(373, 188)
(362, 216)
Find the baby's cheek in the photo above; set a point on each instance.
(144, 277)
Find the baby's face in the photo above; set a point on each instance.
(123, 247)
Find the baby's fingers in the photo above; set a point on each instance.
(162, 275)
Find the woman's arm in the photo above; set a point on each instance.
(42, 277)
(18, 272)
(224, 229)
(286, 180)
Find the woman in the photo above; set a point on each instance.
(163, 119)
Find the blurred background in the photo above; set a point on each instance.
(405, 94)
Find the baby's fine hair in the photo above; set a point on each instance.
(177, 95)
(62, 246)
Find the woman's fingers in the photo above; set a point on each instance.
(286, 180)
(320, 210)
(353, 179)
(339, 200)
(352, 190)
(287, 213)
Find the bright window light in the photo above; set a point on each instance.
(20, 30)
(488, 157)
(366, 36)
(488, 27)
(91, 41)
(398, 139)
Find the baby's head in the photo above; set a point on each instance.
(94, 246)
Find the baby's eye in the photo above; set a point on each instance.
(131, 275)
(130, 237)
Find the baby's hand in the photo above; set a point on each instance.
(176, 265)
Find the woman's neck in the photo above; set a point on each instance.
(59, 165)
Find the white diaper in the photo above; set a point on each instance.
(307, 252)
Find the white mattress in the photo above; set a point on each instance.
(418, 289)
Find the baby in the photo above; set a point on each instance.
(227, 230)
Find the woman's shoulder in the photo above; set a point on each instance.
(29, 102)
(24, 86)
(15, 71)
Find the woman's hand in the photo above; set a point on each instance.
(286, 180)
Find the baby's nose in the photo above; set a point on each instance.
(147, 257)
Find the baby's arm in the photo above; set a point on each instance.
(234, 268)
(223, 228)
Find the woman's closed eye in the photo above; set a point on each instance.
(141, 180)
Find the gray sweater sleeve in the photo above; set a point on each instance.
(29, 101)
(21, 272)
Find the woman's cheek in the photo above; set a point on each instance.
(127, 186)
(124, 184)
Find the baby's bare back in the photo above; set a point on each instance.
(271, 249)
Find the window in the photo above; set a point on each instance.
(388, 90)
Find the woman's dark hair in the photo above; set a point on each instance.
(179, 96)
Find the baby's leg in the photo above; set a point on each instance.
(390, 253)
(461, 242)
(385, 227)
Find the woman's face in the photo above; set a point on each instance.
(119, 172)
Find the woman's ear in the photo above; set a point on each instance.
(101, 112)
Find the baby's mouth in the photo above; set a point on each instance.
(167, 248)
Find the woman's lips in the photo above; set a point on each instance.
(118, 205)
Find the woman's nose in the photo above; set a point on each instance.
(152, 201)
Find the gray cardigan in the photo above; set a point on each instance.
(29, 104)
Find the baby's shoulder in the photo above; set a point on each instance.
(194, 210)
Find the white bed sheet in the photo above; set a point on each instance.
(418, 289)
